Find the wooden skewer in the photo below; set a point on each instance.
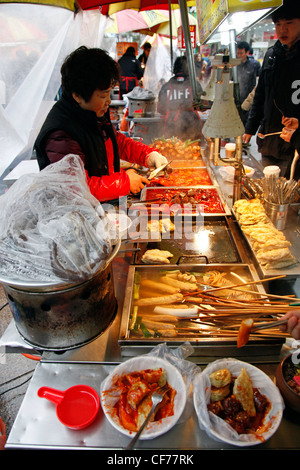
(213, 289)
(283, 297)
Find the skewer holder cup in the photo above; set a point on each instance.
(277, 213)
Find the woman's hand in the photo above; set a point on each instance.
(137, 182)
(155, 160)
(293, 325)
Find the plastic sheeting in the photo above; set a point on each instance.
(52, 229)
(159, 68)
(33, 46)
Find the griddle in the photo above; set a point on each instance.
(206, 243)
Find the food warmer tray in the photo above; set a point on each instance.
(180, 164)
(146, 196)
(201, 176)
(209, 242)
(207, 346)
(292, 235)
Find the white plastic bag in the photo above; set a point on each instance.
(48, 226)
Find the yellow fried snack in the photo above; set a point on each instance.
(219, 393)
(220, 378)
(243, 392)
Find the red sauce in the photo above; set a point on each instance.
(232, 412)
(208, 198)
(135, 391)
(190, 177)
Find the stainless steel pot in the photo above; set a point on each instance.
(64, 316)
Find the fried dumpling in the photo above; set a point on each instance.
(243, 392)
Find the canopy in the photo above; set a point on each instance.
(133, 20)
(95, 4)
(212, 14)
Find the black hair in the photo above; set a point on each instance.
(130, 50)
(180, 66)
(86, 70)
(146, 46)
(288, 11)
(243, 45)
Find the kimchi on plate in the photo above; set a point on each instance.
(126, 396)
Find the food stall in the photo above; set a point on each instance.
(218, 254)
(179, 278)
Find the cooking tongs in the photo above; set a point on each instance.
(158, 170)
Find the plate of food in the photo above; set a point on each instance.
(237, 403)
(126, 396)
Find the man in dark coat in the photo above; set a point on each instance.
(247, 73)
(131, 71)
(278, 90)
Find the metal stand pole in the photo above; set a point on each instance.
(189, 52)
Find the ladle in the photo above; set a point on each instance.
(262, 136)
(76, 407)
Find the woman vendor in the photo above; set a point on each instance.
(79, 124)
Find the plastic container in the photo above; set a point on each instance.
(271, 170)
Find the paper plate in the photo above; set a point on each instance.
(216, 427)
(136, 364)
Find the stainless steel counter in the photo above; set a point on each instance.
(37, 427)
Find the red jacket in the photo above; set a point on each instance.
(106, 187)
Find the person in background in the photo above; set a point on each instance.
(247, 103)
(79, 123)
(131, 71)
(293, 325)
(256, 62)
(199, 66)
(202, 68)
(247, 73)
(144, 56)
(175, 102)
(278, 90)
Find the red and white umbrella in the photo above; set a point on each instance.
(165, 28)
(133, 20)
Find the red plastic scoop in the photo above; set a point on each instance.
(76, 407)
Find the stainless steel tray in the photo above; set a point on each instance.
(199, 243)
(204, 344)
(178, 164)
(292, 236)
(189, 209)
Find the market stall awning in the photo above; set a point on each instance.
(133, 20)
(212, 14)
(68, 4)
(165, 28)
(108, 6)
